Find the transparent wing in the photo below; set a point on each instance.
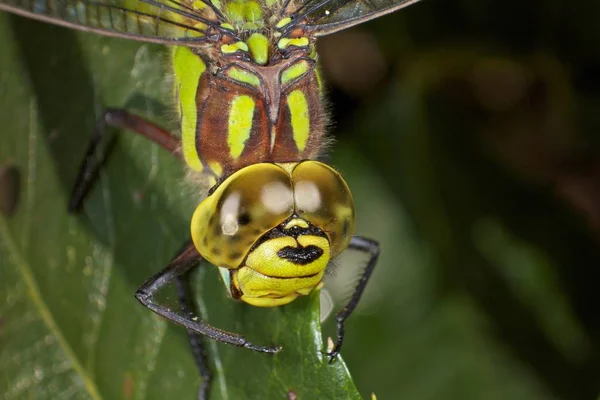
(184, 22)
(329, 16)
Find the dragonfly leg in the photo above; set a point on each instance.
(183, 262)
(120, 119)
(367, 246)
(197, 342)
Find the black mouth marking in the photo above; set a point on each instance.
(300, 255)
(295, 232)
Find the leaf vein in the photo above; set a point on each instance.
(36, 297)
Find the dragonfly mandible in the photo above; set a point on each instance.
(250, 104)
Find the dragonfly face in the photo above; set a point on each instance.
(275, 227)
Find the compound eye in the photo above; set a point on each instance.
(244, 207)
(322, 197)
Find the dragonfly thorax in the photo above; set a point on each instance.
(236, 112)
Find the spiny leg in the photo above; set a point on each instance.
(120, 119)
(197, 343)
(188, 258)
(367, 246)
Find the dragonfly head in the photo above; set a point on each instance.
(275, 227)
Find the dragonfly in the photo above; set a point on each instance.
(250, 104)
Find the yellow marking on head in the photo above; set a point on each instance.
(259, 48)
(264, 257)
(300, 118)
(298, 42)
(269, 301)
(307, 240)
(283, 22)
(232, 48)
(298, 69)
(296, 222)
(216, 167)
(241, 114)
(266, 291)
(188, 68)
(227, 26)
(241, 75)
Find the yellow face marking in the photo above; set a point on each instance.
(227, 26)
(241, 114)
(232, 48)
(265, 291)
(188, 67)
(296, 222)
(244, 76)
(298, 42)
(259, 48)
(264, 258)
(295, 71)
(300, 119)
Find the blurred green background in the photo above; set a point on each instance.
(467, 132)
(475, 154)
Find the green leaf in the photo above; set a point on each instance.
(69, 325)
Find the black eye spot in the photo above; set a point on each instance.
(244, 218)
(215, 251)
(235, 255)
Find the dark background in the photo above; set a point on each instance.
(476, 124)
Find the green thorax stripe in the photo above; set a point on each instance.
(188, 68)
